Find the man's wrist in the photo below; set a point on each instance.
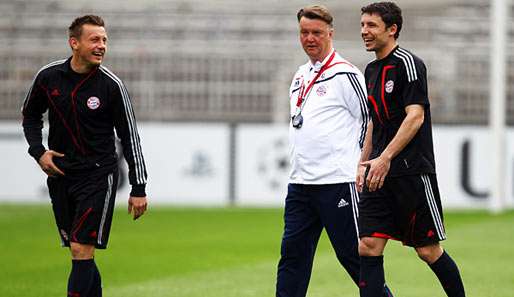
(138, 191)
(37, 152)
(386, 156)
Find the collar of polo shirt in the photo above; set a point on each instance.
(317, 66)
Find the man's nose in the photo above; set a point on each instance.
(364, 30)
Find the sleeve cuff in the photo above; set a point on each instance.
(138, 191)
(37, 152)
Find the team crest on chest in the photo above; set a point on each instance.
(321, 90)
(389, 86)
(93, 103)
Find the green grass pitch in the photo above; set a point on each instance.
(229, 252)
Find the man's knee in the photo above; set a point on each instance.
(429, 253)
(81, 251)
(371, 246)
(296, 249)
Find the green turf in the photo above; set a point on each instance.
(234, 252)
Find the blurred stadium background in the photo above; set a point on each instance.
(232, 61)
(209, 83)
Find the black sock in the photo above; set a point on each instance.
(448, 274)
(81, 278)
(96, 290)
(371, 283)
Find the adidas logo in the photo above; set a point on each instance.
(342, 203)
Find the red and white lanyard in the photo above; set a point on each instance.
(304, 92)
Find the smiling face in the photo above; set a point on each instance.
(377, 38)
(316, 38)
(89, 48)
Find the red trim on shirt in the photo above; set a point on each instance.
(342, 62)
(61, 116)
(74, 107)
(384, 72)
(412, 223)
(375, 106)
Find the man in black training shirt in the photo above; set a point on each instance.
(85, 103)
(396, 177)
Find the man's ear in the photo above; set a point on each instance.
(331, 32)
(392, 30)
(73, 42)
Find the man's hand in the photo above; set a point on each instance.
(46, 163)
(137, 206)
(361, 174)
(378, 170)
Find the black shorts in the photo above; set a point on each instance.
(406, 208)
(83, 207)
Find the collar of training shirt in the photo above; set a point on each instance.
(317, 66)
(66, 68)
(386, 58)
(304, 91)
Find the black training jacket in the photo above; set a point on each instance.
(83, 111)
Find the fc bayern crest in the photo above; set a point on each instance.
(389, 86)
(93, 103)
(321, 91)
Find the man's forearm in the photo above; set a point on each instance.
(408, 129)
(32, 129)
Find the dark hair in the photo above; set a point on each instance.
(75, 29)
(389, 12)
(315, 12)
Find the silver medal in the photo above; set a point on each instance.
(297, 121)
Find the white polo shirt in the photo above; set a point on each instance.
(326, 149)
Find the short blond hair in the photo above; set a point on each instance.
(316, 12)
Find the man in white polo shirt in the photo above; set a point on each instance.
(329, 118)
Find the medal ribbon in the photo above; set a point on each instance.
(305, 91)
